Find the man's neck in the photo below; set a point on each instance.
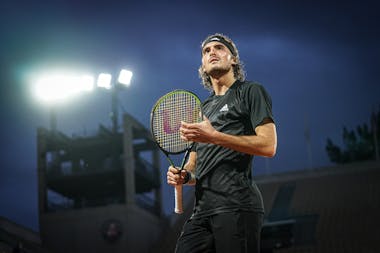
(221, 84)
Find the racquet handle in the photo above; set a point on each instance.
(178, 199)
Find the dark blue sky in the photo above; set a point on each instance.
(318, 60)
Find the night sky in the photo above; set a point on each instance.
(319, 60)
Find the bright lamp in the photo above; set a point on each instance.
(125, 77)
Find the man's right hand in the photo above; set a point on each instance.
(175, 177)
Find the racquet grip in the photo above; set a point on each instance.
(178, 199)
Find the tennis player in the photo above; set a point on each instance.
(238, 124)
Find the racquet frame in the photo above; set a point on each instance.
(196, 117)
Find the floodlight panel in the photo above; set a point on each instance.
(50, 88)
(46, 92)
(125, 77)
(87, 83)
(104, 81)
(61, 86)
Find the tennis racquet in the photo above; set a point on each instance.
(166, 117)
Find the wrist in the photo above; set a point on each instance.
(186, 177)
(217, 138)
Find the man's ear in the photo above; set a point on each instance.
(234, 60)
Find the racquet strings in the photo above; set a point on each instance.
(168, 114)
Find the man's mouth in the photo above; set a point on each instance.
(213, 60)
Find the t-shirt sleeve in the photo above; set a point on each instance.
(259, 104)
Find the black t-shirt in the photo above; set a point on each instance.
(224, 182)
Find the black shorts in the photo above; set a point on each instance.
(226, 232)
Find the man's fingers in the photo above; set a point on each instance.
(173, 176)
(173, 170)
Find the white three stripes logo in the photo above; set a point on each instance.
(224, 108)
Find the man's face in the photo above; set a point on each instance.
(217, 59)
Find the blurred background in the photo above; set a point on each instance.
(318, 61)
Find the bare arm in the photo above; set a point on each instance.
(264, 143)
(175, 178)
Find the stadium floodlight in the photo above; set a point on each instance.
(60, 86)
(87, 83)
(125, 77)
(104, 81)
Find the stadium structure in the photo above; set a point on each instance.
(102, 193)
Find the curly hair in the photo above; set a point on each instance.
(238, 68)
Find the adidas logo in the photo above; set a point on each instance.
(224, 108)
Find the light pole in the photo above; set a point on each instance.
(115, 109)
(105, 81)
(53, 119)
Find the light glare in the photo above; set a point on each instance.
(104, 81)
(125, 77)
(60, 86)
(87, 83)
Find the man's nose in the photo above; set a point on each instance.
(212, 51)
